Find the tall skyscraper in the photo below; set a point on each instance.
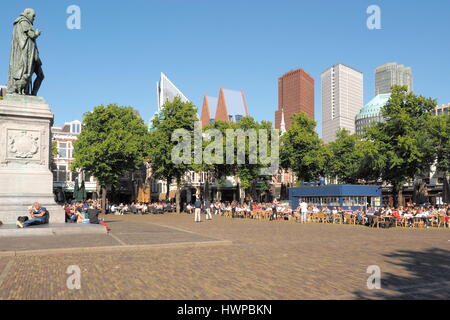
(166, 91)
(390, 74)
(295, 94)
(342, 98)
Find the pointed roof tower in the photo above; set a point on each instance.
(283, 123)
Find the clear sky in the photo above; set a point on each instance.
(202, 45)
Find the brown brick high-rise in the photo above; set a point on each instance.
(295, 94)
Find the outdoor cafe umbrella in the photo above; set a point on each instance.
(76, 190)
(82, 192)
(446, 191)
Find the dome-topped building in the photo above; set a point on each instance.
(371, 112)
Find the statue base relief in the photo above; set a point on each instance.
(25, 151)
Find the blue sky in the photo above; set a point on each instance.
(202, 45)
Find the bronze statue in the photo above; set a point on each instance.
(25, 61)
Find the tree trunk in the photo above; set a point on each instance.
(400, 197)
(397, 193)
(169, 180)
(178, 196)
(103, 200)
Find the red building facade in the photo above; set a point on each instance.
(295, 94)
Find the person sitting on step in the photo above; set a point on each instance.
(38, 215)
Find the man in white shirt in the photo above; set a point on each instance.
(303, 211)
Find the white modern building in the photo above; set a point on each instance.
(342, 98)
(390, 74)
(166, 91)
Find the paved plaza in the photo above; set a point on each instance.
(171, 257)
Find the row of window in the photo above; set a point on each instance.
(65, 150)
(322, 201)
(334, 201)
(62, 174)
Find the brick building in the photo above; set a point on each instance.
(230, 106)
(295, 95)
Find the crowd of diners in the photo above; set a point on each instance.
(76, 212)
(411, 215)
(142, 208)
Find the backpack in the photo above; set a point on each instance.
(93, 216)
(22, 219)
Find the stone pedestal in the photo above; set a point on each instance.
(25, 150)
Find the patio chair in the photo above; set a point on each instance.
(402, 222)
(349, 218)
(418, 223)
(322, 217)
(441, 221)
(337, 218)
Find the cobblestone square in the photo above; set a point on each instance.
(171, 257)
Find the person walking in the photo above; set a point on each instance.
(207, 204)
(303, 211)
(274, 216)
(198, 210)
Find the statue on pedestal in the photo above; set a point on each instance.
(25, 61)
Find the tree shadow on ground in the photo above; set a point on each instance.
(425, 275)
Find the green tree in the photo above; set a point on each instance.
(346, 157)
(175, 115)
(439, 134)
(114, 141)
(302, 151)
(403, 150)
(249, 174)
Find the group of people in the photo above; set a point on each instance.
(78, 212)
(234, 209)
(409, 215)
(141, 208)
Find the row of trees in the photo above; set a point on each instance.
(115, 140)
(405, 145)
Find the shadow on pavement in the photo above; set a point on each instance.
(428, 276)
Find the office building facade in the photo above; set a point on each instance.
(342, 98)
(295, 95)
(390, 74)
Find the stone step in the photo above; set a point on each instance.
(55, 229)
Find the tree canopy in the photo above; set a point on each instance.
(346, 155)
(174, 115)
(401, 141)
(113, 141)
(302, 151)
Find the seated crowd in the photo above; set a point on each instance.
(409, 216)
(142, 208)
(80, 212)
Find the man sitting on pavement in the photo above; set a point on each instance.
(38, 216)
